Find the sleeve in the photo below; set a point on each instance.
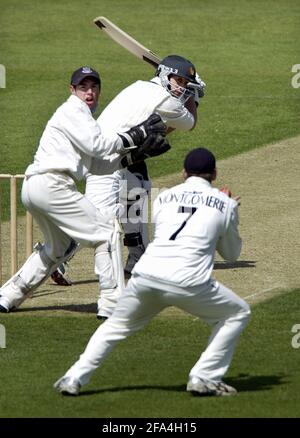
(230, 244)
(175, 115)
(84, 132)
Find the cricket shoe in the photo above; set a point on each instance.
(4, 305)
(67, 386)
(59, 276)
(203, 387)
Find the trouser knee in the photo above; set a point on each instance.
(243, 315)
(246, 312)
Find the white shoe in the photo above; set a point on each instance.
(67, 386)
(4, 304)
(203, 387)
(10, 297)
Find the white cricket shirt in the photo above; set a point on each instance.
(192, 221)
(129, 108)
(70, 140)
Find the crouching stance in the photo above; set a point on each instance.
(70, 146)
(192, 221)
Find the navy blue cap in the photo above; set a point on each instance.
(82, 73)
(199, 160)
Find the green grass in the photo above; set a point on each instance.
(243, 50)
(145, 376)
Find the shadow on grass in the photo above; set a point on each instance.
(46, 292)
(243, 383)
(235, 265)
(83, 308)
(62, 289)
(74, 283)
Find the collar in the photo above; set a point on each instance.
(198, 181)
(156, 80)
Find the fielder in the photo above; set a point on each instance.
(192, 221)
(72, 143)
(171, 94)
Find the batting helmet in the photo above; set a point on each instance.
(177, 65)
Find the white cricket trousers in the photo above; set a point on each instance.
(65, 217)
(103, 192)
(223, 310)
(63, 213)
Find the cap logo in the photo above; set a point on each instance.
(86, 70)
(192, 71)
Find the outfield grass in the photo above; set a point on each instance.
(243, 50)
(145, 376)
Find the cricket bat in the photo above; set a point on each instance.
(126, 41)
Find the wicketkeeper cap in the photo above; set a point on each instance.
(199, 160)
(82, 73)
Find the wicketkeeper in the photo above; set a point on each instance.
(71, 144)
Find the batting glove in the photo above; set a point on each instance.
(153, 146)
(136, 136)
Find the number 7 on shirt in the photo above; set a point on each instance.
(182, 209)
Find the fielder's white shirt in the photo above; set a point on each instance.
(192, 221)
(130, 107)
(70, 140)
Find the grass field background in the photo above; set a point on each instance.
(146, 375)
(244, 50)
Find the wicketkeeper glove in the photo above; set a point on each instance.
(136, 136)
(153, 146)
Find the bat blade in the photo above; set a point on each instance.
(126, 41)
